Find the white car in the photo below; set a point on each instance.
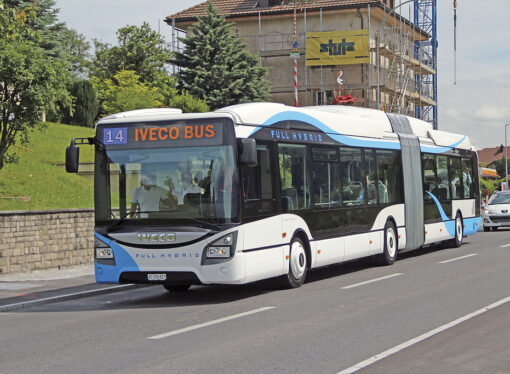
(497, 211)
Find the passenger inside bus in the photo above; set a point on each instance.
(186, 187)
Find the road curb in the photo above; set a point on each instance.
(69, 296)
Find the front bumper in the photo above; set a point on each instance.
(177, 265)
(496, 220)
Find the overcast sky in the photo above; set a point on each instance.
(478, 105)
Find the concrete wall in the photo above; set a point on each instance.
(45, 239)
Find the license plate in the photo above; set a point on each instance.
(156, 277)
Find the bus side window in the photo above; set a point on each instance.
(455, 177)
(293, 164)
(352, 174)
(371, 177)
(467, 178)
(325, 184)
(256, 183)
(388, 176)
(429, 175)
(443, 190)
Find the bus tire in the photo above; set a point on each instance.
(459, 231)
(390, 250)
(486, 229)
(297, 265)
(177, 287)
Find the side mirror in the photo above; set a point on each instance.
(248, 152)
(72, 158)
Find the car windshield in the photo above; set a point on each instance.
(167, 183)
(503, 198)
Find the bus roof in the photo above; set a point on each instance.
(156, 114)
(348, 121)
(337, 119)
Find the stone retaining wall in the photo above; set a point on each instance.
(45, 239)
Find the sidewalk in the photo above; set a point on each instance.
(21, 284)
(21, 290)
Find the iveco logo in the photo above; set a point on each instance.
(156, 237)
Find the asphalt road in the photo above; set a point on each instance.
(343, 316)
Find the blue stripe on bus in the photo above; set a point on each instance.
(347, 140)
(123, 261)
(429, 149)
(448, 222)
(472, 225)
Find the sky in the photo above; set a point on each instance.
(478, 105)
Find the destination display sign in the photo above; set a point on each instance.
(162, 134)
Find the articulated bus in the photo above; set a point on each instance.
(264, 190)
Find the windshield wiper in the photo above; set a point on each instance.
(123, 218)
(117, 223)
(203, 223)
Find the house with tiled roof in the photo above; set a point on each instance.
(354, 52)
(488, 156)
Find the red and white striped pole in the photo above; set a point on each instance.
(295, 61)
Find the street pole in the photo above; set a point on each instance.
(506, 158)
(295, 60)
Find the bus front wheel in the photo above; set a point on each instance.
(297, 265)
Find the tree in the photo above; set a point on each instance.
(188, 104)
(85, 106)
(125, 91)
(51, 35)
(500, 167)
(30, 81)
(139, 49)
(76, 52)
(216, 67)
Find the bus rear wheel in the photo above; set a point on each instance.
(389, 254)
(297, 265)
(177, 287)
(459, 231)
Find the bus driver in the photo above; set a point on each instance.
(148, 196)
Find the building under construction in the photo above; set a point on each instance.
(347, 52)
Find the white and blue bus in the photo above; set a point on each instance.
(263, 190)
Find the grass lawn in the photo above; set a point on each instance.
(39, 178)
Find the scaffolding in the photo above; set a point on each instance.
(396, 79)
(425, 16)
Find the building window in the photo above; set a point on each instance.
(323, 97)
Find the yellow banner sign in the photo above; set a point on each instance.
(337, 47)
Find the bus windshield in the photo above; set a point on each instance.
(167, 183)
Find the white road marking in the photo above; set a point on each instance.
(457, 258)
(371, 281)
(504, 246)
(420, 338)
(224, 319)
(58, 297)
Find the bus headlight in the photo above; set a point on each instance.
(102, 251)
(218, 252)
(223, 247)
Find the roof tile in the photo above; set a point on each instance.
(245, 7)
(487, 156)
